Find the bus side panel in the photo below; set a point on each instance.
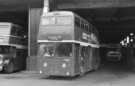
(54, 67)
(85, 56)
(90, 58)
(14, 40)
(3, 32)
(76, 59)
(77, 33)
(95, 58)
(4, 40)
(87, 59)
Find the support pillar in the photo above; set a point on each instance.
(34, 21)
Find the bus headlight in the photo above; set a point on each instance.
(45, 64)
(6, 61)
(40, 72)
(67, 73)
(64, 65)
(1, 61)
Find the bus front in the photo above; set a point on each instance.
(55, 47)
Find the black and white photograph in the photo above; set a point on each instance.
(67, 42)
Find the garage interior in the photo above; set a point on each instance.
(114, 19)
(114, 23)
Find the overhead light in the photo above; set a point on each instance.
(131, 34)
(131, 40)
(122, 42)
(127, 39)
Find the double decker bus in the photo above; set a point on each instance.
(68, 45)
(13, 47)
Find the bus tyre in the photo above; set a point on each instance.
(97, 64)
(81, 71)
(9, 68)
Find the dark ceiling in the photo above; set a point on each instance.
(16, 11)
(113, 18)
(9, 5)
(114, 24)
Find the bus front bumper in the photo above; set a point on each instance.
(57, 69)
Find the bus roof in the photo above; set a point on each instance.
(65, 13)
(5, 23)
(9, 24)
(58, 13)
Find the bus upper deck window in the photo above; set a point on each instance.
(4, 29)
(64, 20)
(48, 21)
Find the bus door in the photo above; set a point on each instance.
(83, 58)
(95, 58)
(76, 58)
(90, 58)
(87, 55)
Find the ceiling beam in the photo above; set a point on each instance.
(13, 5)
(84, 4)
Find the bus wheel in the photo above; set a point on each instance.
(9, 68)
(97, 64)
(82, 71)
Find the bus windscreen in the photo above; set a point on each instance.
(58, 50)
(64, 20)
(4, 29)
(59, 20)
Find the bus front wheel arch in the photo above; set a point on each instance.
(9, 68)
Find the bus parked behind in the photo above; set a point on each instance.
(13, 47)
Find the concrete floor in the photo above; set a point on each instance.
(108, 75)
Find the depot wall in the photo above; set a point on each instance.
(34, 20)
(35, 13)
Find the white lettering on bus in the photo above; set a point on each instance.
(85, 36)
